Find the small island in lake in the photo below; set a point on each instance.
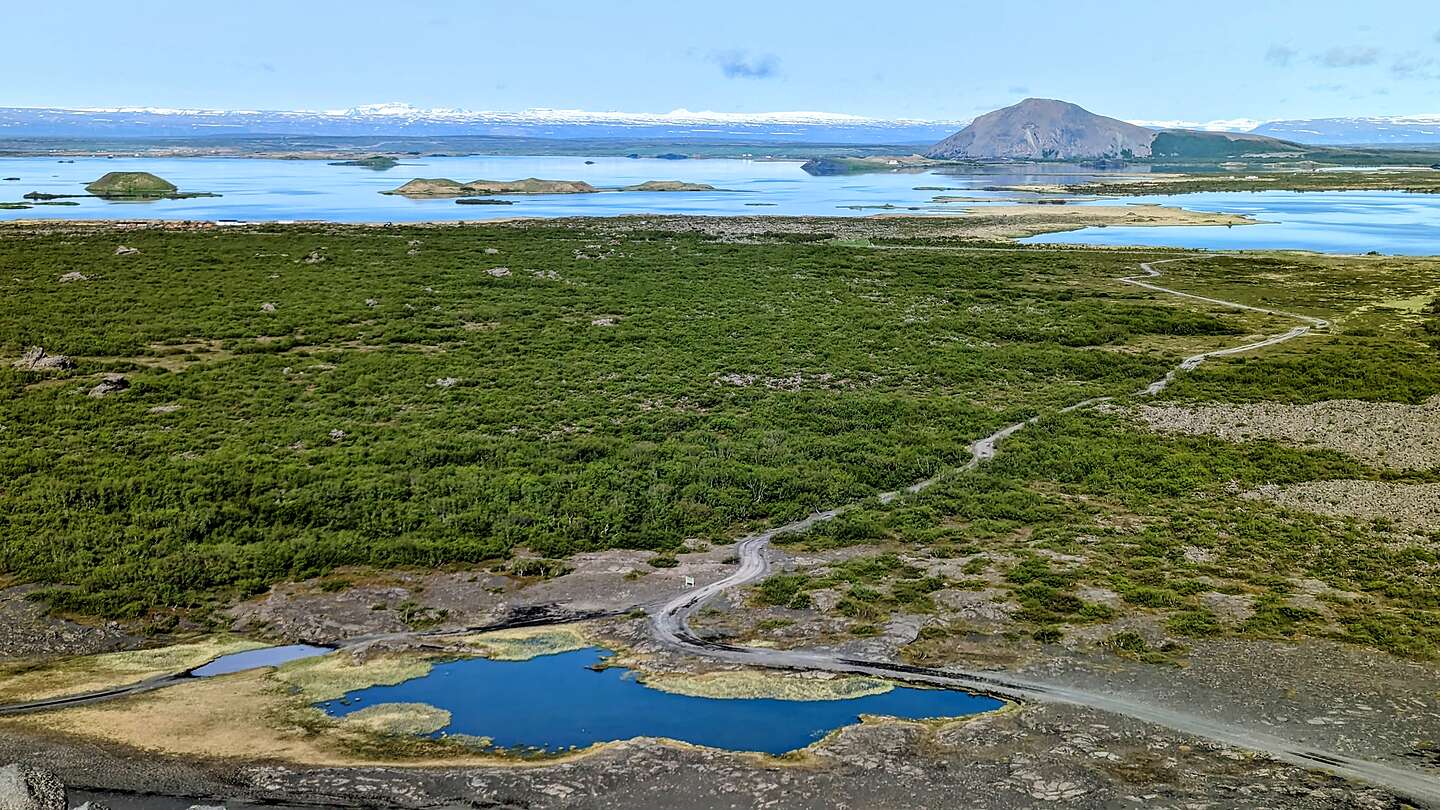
(134, 186)
(378, 163)
(423, 187)
(131, 186)
(669, 185)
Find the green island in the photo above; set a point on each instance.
(376, 162)
(139, 186)
(423, 188)
(443, 187)
(118, 186)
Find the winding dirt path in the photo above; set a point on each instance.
(671, 621)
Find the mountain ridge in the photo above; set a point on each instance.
(402, 119)
(1045, 129)
(1408, 129)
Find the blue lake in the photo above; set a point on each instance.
(256, 190)
(556, 701)
(255, 659)
(1330, 222)
(263, 190)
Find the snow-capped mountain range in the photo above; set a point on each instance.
(403, 119)
(398, 119)
(1389, 130)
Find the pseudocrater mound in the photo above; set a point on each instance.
(139, 186)
(131, 184)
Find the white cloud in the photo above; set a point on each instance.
(1280, 55)
(743, 65)
(1348, 56)
(1414, 66)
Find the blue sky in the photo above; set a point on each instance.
(1149, 60)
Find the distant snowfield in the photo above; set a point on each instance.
(403, 119)
(399, 118)
(537, 114)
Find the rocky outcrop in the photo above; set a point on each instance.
(23, 787)
(113, 384)
(36, 358)
(1045, 129)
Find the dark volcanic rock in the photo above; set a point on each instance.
(25, 788)
(113, 384)
(36, 358)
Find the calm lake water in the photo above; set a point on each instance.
(285, 190)
(254, 659)
(269, 190)
(556, 701)
(1330, 222)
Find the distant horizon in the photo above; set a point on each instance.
(935, 60)
(679, 115)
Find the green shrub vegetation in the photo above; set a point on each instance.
(1092, 501)
(398, 405)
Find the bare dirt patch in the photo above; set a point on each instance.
(1387, 434)
(1409, 507)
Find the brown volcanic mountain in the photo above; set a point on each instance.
(1045, 129)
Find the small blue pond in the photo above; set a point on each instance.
(254, 659)
(554, 702)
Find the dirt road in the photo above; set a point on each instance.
(670, 622)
